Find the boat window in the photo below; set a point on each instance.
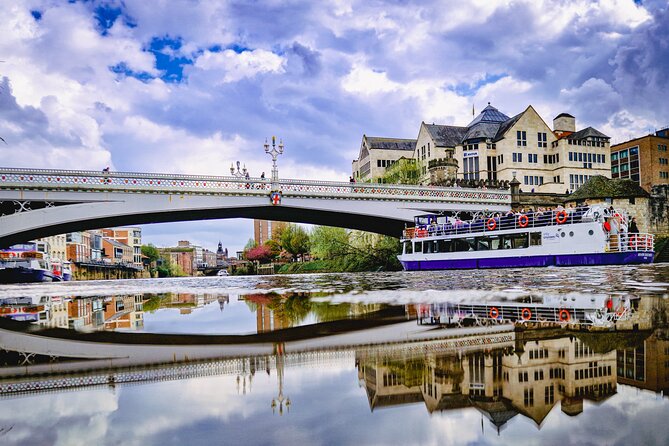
(408, 248)
(445, 246)
(535, 239)
(418, 247)
(429, 247)
(518, 240)
(495, 242)
(482, 243)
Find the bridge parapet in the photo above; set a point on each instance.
(85, 181)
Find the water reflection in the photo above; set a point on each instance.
(342, 350)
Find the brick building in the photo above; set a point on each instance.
(644, 160)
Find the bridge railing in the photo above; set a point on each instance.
(78, 180)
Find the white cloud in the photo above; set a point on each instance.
(236, 66)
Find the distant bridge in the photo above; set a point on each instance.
(38, 203)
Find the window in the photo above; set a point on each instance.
(541, 139)
(664, 175)
(531, 157)
(661, 147)
(622, 154)
(664, 161)
(517, 157)
(500, 159)
(471, 168)
(528, 397)
(521, 137)
(428, 149)
(549, 394)
(614, 156)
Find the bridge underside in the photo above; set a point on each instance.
(327, 218)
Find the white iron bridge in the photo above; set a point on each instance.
(38, 202)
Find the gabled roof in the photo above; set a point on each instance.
(505, 126)
(587, 132)
(599, 186)
(482, 130)
(374, 142)
(446, 135)
(489, 114)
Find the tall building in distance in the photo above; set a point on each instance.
(644, 160)
(264, 230)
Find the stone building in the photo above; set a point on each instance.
(435, 152)
(644, 160)
(624, 195)
(378, 153)
(496, 147)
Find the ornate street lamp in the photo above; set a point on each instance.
(239, 173)
(274, 152)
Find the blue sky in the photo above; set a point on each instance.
(189, 86)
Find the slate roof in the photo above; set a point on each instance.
(505, 126)
(374, 142)
(599, 186)
(482, 130)
(587, 132)
(489, 114)
(564, 115)
(446, 135)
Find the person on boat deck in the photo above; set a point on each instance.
(633, 228)
(262, 176)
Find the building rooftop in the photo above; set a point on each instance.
(446, 135)
(374, 142)
(599, 186)
(587, 132)
(489, 114)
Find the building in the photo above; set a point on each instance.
(184, 257)
(497, 147)
(378, 153)
(264, 230)
(644, 160)
(117, 252)
(221, 255)
(57, 245)
(435, 152)
(78, 246)
(209, 258)
(128, 236)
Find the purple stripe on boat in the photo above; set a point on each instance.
(612, 258)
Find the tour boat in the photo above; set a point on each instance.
(562, 237)
(25, 263)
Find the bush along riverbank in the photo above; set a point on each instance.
(337, 250)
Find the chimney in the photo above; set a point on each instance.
(564, 122)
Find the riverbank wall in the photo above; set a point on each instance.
(95, 271)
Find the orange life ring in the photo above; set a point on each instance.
(523, 221)
(620, 311)
(526, 314)
(491, 224)
(561, 217)
(494, 313)
(564, 315)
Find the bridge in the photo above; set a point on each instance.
(38, 202)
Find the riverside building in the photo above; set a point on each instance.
(644, 160)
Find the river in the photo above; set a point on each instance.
(342, 359)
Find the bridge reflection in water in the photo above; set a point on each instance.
(500, 371)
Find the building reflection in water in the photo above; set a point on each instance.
(501, 380)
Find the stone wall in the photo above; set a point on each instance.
(659, 209)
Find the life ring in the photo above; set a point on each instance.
(526, 314)
(620, 311)
(523, 221)
(491, 224)
(561, 217)
(564, 315)
(494, 313)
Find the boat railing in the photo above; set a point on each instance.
(630, 242)
(485, 313)
(500, 223)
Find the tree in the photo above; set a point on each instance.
(262, 254)
(329, 243)
(403, 171)
(295, 240)
(151, 252)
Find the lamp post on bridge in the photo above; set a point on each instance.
(239, 173)
(274, 152)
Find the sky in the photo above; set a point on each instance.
(189, 86)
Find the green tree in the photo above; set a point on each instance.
(329, 243)
(151, 252)
(295, 240)
(403, 171)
